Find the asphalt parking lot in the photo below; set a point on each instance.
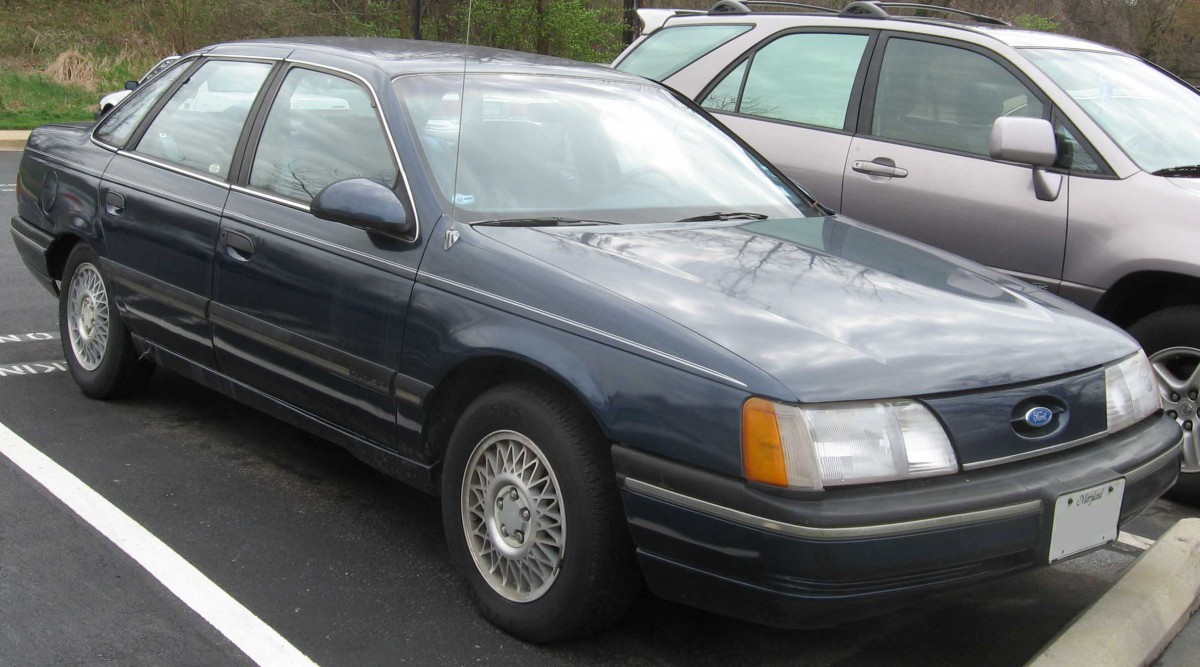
(347, 566)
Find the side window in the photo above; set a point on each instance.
(945, 97)
(120, 124)
(804, 78)
(321, 128)
(724, 97)
(671, 49)
(1072, 155)
(199, 126)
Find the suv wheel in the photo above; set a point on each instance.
(1171, 337)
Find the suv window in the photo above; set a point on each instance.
(945, 97)
(199, 126)
(803, 78)
(120, 124)
(321, 128)
(671, 49)
(1072, 154)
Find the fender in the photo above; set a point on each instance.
(640, 403)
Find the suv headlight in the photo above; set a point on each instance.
(1130, 392)
(842, 443)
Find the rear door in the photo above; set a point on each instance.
(920, 165)
(310, 311)
(162, 202)
(795, 99)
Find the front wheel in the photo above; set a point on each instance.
(532, 515)
(1171, 338)
(99, 352)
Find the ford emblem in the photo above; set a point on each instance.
(1039, 416)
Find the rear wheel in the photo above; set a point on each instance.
(99, 351)
(1171, 337)
(533, 518)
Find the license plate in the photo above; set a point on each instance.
(1085, 519)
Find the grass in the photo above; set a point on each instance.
(28, 100)
(113, 37)
(29, 97)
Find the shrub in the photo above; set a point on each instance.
(1035, 22)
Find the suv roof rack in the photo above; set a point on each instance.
(879, 10)
(743, 6)
(859, 9)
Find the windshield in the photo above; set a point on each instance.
(537, 146)
(1155, 119)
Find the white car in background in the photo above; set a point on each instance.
(114, 98)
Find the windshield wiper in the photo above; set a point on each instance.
(722, 215)
(539, 222)
(1187, 171)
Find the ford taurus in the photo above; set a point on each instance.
(619, 345)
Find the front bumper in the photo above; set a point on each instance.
(818, 559)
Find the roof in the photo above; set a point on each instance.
(405, 56)
(1022, 39)
(1014, 37)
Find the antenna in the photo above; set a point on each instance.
(462, 103)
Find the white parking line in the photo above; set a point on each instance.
(1135, 541)
(28, 337)
(33, 368)
(255, 638)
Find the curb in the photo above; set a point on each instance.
(1139, 616)
(13, 140)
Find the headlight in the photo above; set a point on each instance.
(1130, 392)
(842, 443)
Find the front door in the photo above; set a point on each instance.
(307, 310)
(920, 164)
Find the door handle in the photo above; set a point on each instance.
(237, 245)
(114, 203)
(878, 167)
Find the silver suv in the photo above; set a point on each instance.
(1064, 162)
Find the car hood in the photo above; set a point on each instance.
(833, 309)
(1192, 185)
(113, 98)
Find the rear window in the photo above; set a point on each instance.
(671, 49)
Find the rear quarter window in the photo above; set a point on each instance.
(671, 49)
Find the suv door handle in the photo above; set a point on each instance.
(114, 204)
(878, 168)
(237, 245)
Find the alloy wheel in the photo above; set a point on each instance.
(88, 317)
(513, 516)
(1178, 372)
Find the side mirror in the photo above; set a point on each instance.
(365, 204)
(131, 85)
(1029, 141)
(1025, 140)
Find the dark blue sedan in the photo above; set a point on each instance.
(619, 345)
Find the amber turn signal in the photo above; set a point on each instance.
(762, 444)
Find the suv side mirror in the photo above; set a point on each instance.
(131, 85)
(1024, 140)
(1028, 141)
(365, 204)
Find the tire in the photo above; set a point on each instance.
(100, 354)
(565, 569)
(1171, 338)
